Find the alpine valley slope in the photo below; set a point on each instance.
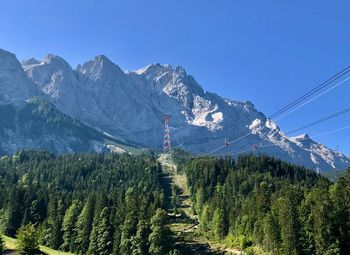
(130, 106)
(36, 124)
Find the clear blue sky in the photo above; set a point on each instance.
(268, 52)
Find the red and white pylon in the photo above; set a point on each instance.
(166, 139)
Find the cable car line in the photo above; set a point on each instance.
(311, 92)
(292, 104)
(320, 121)
(312, 99)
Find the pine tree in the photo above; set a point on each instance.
(140, 241)
(129, 227)
(218, 224)
(340, 195)
(118, 220)
(319, 221)
(27, 240)
(14, 214)
(288, 221)
(52, 228)
(84, 225)
(100, 239)
(100, 204)
(175, 197)
(104, 239)
(271, 233)
(205, 219)
(69, 226)
(127, 232)
(160, 233)
(199, 200)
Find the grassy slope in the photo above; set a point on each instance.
(10, 243)
(186, 227)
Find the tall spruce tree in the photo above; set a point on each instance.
(139, 243)
(14, 215)
(52, 236)
(218, 224)
(104, 238)
(289, 221)
(84, 225)
(160, 234)
(69, 227)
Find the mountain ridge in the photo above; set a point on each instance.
(130, 105)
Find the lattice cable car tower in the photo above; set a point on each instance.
(166, 139)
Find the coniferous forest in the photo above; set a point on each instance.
(261, 201)
(115, 204)
(85, 203)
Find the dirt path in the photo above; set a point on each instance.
(179, 180)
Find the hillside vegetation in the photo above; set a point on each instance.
(122, 204)
(260, 203)
(85, 203)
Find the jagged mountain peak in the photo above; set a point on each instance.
(54, 61)
(52, 75)
(100, 68)
(14, 83)
(9, 61)
(30, 61)
(154, 69)
(176, 83)
(4, 54)
(104, 59)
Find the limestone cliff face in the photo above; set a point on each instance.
(129, 106)
(14, 83)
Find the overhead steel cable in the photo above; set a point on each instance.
(312, 92)
(331, 131)
(252, 148)
(224, 146)
(320, 121)
(272, 145)
(312, 99)
(294, 103)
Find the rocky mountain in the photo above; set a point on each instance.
(14, 83)
(130, 106)
(298, 149)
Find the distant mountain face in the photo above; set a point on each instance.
(14, 83)
(130, 106)
(36, 124)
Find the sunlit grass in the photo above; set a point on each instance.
(10, 243)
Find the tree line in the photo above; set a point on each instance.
(258, 201)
